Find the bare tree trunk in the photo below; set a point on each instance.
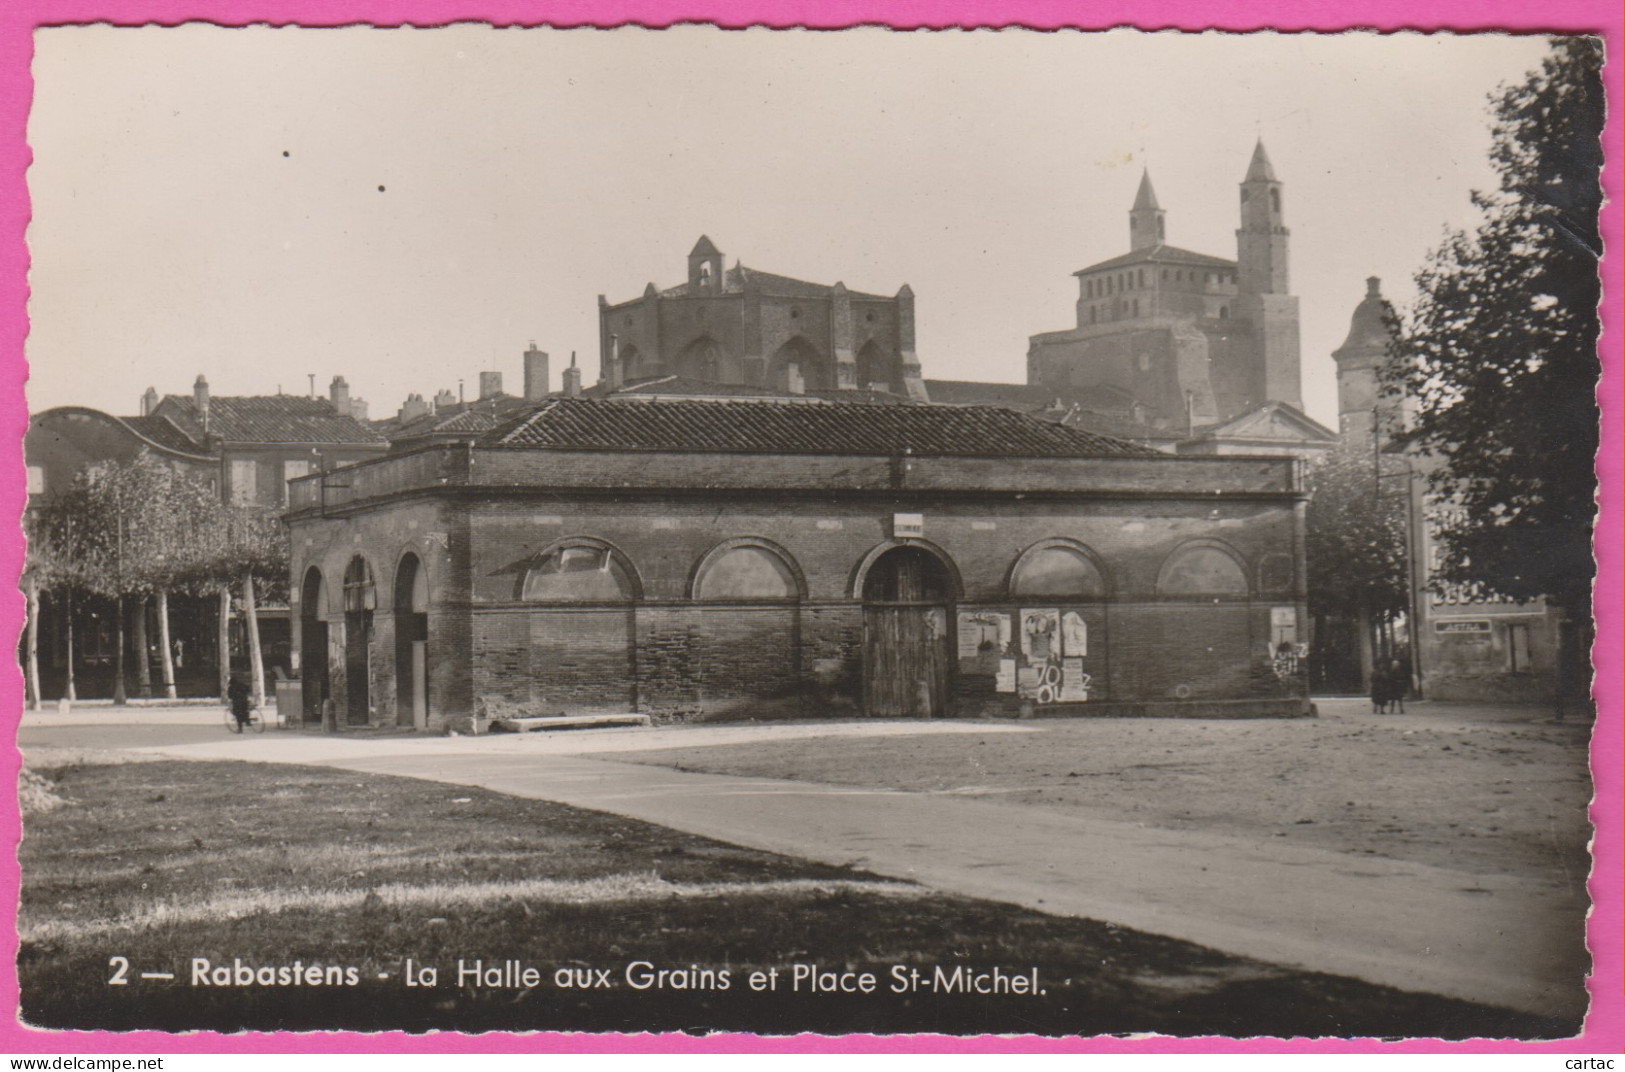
(33, 644)
(225, 641)
(119, 697)
(1363, 628)
(168, 660)
(70, 691)
(251, 618)
(143, 659)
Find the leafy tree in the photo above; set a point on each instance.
(1356, 547)
(1500, 351)
(142, 529)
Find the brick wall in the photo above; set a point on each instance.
(491, 652)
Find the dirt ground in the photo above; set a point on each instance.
(1478, 788)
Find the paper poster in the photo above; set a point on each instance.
(1041, 634)
(1074, 634)
(1074, 682)
(982, 632)
(1005, 679)
(1028, 681)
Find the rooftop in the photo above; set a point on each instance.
(268, 419)
(1160, 254)
(771, 427)
(738, 279)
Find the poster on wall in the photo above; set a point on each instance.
(1074, 634)
(1005, 679)
(1074, 682)
(983, 633)
(1041, 634)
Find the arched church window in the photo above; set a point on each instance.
(577, 573)
(1275, 199)
(1161, 229)
(1136, 306)
(1224, 312)
(1091, 314)
(1142, 277)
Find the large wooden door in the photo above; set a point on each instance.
(905, 661)
(906, 616)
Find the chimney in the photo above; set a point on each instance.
(572, 379)
(490, 385)
(535, 374)
(413, 408)
(339, 394)
(442, 399)
(149, 401)
(200, 400)
(358, 408)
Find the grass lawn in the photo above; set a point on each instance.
(278, 870)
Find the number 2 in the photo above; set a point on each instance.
(120, 966)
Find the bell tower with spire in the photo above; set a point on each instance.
(1261, 241)
(1146, 224)
(1263, 283)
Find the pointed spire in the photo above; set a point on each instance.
(1147, 197)
(704, 248)
(1146, 220)
(1260, 170)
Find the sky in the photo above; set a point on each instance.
(410, 207)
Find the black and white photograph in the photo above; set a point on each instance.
(771, 531)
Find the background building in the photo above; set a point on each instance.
(245, 447)
(742, 326)
(1194, 339)
(1467, 642)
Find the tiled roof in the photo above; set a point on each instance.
(690, 387)
(271, 419)
(687, 385)
(163, 432)
(1100, 409)
(1030, 396)
(973, 392)
(780, 428)
(1159, 254)
(462, 418)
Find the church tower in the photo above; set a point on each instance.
(1146, 225)
(1362, 411)
(705, 267)
(1261, 253)
(1263, 283)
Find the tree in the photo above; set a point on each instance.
(1358, 562)
(132, 530)
(1500, 351)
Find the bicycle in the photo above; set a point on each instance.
(253, 723)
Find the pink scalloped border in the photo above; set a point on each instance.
(1605, 1027)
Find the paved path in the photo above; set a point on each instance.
(1492, 939)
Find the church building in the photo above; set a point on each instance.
(1186, 339)
(751, 328)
